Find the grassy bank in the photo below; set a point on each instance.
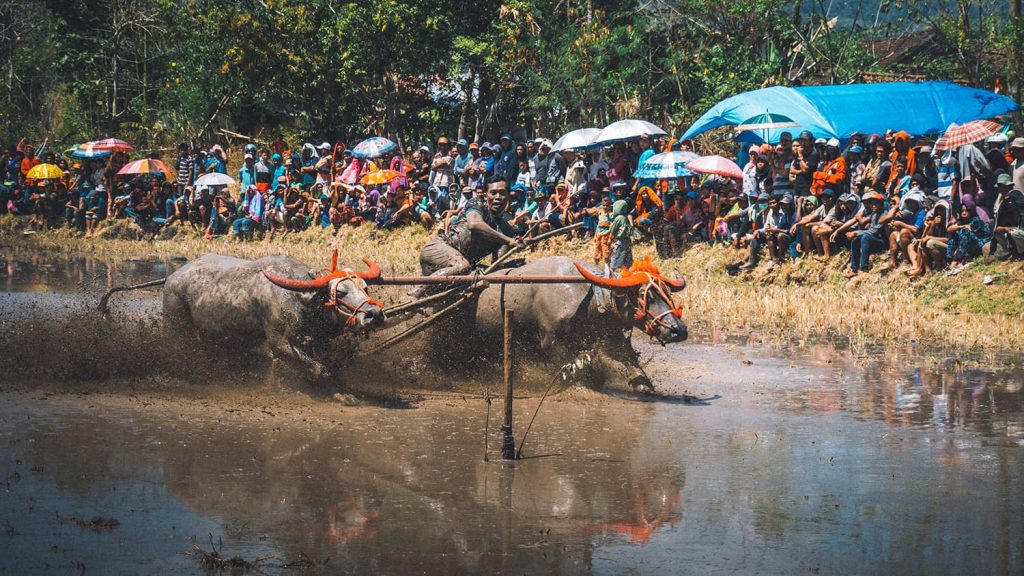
(810, 301)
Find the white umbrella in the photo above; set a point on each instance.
(214, 179)
(666, 166)
(624, 130)
(576, 140)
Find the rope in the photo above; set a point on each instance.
(519, 453)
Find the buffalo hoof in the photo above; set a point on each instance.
(642, 383)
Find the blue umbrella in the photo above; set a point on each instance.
(666, 166)
(88, 152)
(373, 147)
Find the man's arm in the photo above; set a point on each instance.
(476, 224)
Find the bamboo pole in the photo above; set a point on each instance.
(469, 279)
(508, 444)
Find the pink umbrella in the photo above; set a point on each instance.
(715, 165)
(113, 144)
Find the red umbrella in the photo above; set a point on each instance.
(715, 165)
(144, 166)
(958, 135)
(113, 144)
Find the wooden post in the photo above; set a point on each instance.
(508, 444)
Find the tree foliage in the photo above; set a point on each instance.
(157, 71)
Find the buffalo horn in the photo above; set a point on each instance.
(631, 282)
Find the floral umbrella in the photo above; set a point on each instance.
(373, 147)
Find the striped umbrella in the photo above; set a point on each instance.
(958, 135)
(144, 166)
(113, 144)
(380, 177)
(373, 147)
(666, 166)
(45, 172)
(715, 165)
(89, 151)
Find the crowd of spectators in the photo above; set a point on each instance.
(800, 198)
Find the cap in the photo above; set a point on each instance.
(856, 149)
(545, 143)
(505, 137)
(1004, 179)
(474, 146)
(1017, 143)
(828, 192)
(926, 150)
(538, 140)
(462, 142)
(766, 148)
(282, 179)
(997, 139)
(872, 195)
(423, 149)
(754, 149)
(833, 142)
(324, 145)
(819, 141)
(787, 199)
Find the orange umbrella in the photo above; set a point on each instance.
(380, 177)
(144, 166)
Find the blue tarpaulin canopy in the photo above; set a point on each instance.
(838, 111)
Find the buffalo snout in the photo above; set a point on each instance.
(371, 316)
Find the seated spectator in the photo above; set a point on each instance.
(737, 221)
(870, 237)
(968, 235)
(1008, 231)
(906, 223)
(771, 230)
(929, 252)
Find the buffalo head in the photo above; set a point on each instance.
(344, 292)
(649, 295)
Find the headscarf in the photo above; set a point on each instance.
(312, 149)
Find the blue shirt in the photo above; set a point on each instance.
(309, 178)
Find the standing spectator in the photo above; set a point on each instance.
(184, 166)
(1017, 166)
(506, 166)
(462, 160)
(247, 173)
(441, 172)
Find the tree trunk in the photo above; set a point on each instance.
(1013, 58)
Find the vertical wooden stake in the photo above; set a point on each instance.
(508, 445)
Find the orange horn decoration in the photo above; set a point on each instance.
(323, 282)
(320, 283)
(334, 260)
(632, 282)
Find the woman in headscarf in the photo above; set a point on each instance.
(968, 235)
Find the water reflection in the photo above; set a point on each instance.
(393, 494)
(47, 273)
(909, 387)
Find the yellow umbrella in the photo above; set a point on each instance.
(45, 172)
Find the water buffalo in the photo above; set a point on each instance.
(555, 322)
(258, 305)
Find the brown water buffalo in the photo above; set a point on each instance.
(554, 323)
(263, 305)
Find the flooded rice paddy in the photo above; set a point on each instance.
(759, 459)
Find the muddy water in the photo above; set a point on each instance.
(809, 460)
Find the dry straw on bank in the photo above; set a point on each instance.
(781, 303)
